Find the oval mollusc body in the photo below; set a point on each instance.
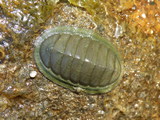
(78, 59)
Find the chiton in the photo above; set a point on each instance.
(78, 59)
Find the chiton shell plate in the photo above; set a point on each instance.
(78, 59)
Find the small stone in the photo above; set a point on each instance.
(101, 112)
(33, 74)
(143, 15)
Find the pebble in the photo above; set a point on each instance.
(33, 74)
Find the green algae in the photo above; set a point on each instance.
(29, 14)
(21, 21)
(93, 7)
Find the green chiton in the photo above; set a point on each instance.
(78, 59)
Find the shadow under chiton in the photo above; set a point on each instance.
(78, 59)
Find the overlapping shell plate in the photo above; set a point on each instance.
(78, 59)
